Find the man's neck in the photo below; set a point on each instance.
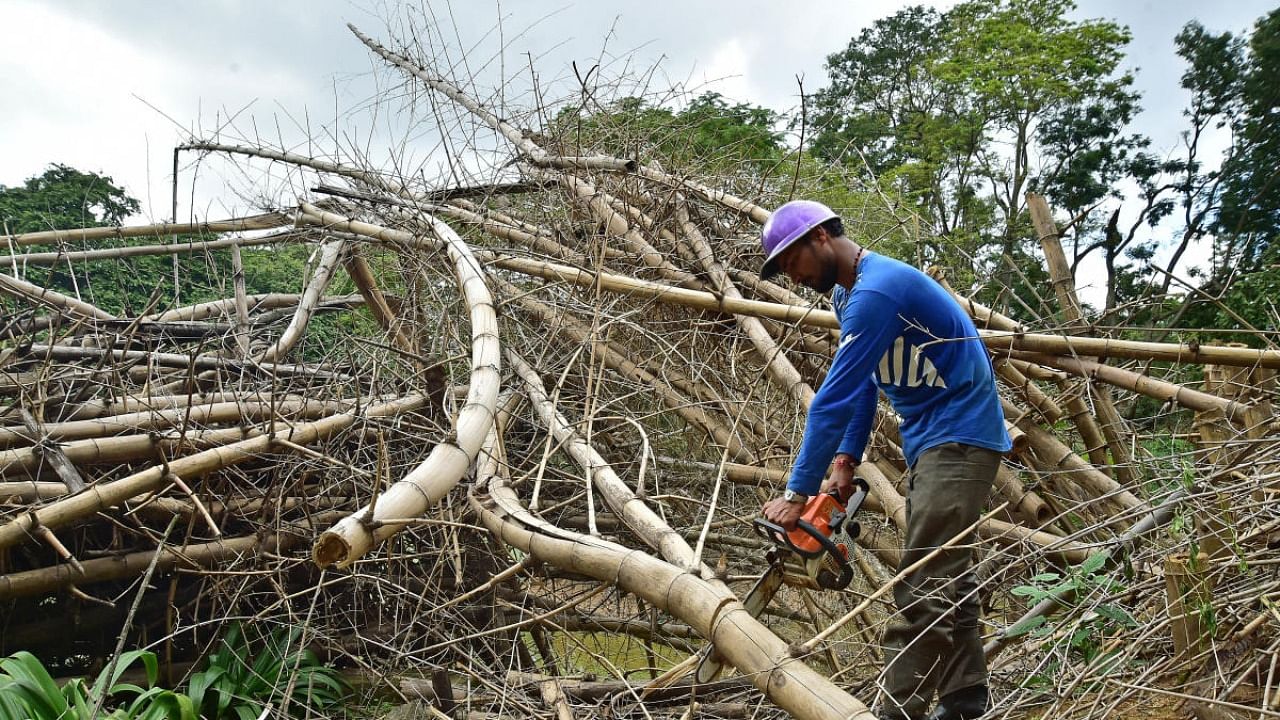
(850, 258)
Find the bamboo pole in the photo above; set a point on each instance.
(130, 251)
(264, 221)
(1186, 397)
(1112, 427)
(242, 303)
(1004, 340)
(448, 461)
(30, 491)
(176, 418)
(52, 299)
(1064, 285)
(102, 495)
(131, 448)
(1187, 591)
(128, 402)
(1030, 392)
(198, 363)
(360, 273)
(997, 340)
(1080, 414)
(1070, 465)
(330, 254)
(715, 613)
(255, 303)
(205, 555)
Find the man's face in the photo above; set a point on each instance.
(811, 263)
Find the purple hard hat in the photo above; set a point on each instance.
(786, 225)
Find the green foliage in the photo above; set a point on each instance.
(710, 131)
(241, 677)
(1231, 80)
(1085, 639)
(63, 198)
(28, 691)
(239, 680)
(1250, 213)
(961, 113)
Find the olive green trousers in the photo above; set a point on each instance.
(936, 646)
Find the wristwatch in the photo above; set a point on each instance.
(792, 496)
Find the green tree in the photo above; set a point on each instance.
(709, 131)
(63, 198)
(912, 129)
(1250, 210)
(1237, 205)
(964, 112)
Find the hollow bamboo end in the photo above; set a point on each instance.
(330, 550)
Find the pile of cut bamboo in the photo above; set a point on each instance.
(517, 479)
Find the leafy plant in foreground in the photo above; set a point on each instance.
(28, 691)
(238, 682)
(1086, 639)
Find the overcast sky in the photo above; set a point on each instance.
(111, 87)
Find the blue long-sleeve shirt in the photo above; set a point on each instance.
(902, 332)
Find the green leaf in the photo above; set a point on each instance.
(33, 685)
(1093, 563)
(1116, 614)
(1023, 627)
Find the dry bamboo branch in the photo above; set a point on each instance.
(691, 412)
(535, 154)
(52, 299)
(409, 497)
(780, 370)
(265, 221)
(100, 496)
(650, 528)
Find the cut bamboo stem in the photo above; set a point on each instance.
(448, 461)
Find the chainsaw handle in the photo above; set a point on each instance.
(779, 536)
(774, 533)
(853, 503)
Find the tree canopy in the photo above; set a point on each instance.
(62, 198)
(959, 114)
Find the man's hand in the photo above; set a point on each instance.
(781, 512)
(841, 480)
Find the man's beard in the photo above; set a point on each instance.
(827, 280)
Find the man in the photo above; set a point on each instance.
(901, 332)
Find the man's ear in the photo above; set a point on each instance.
(819, 235)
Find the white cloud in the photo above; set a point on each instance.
(78, 94)
(727, 71)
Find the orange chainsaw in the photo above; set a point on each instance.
(805, 557)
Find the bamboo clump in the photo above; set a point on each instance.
(512, 427)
